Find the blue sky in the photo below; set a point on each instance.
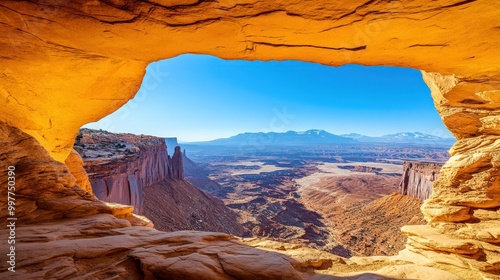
(198, 97)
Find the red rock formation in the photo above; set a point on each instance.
(418, 179)
(34, 170)
(177, 166)
(66, 63)
(120, 165)
(374, 228)
(137, 170)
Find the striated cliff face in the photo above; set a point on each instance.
(121, 165)
(418, 178)
(137, 170)
(177, 166)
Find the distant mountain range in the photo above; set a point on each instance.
(402, 137)
(313, 136)
(317, 136)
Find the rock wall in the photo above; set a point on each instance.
(177, 165)
(418, 178)
(121, 165)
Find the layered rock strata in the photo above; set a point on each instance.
(44, 189)
(121, 165)
(177, 166)
(136, 170)
(418, 178)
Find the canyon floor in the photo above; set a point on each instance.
(341, 198)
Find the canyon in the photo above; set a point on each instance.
(339, 199)
(67, 63)
(137, 170)
(272, 197)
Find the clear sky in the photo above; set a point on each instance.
(198, 97)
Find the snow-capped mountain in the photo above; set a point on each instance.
(402, 137)
(318, 136)
(312, 136)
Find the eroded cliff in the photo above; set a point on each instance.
(136, 170)
(418, 178)
(121, 165)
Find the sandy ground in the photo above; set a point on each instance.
(262, 167)
(332, 169)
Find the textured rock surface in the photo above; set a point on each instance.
(418, 178)
(90, 54)
(177, 166)
(136, 170)
(66, 63)
(103, 247)
(374, 229)
(466, 196)
(121, 165)
(45, 189)
(75, 165)
(64, 232)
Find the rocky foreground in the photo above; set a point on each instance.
(64, 232)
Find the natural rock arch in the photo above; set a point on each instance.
(67, 63)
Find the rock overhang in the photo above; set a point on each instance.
(94, 53)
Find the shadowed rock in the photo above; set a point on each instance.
(418, 178)
(177, 166)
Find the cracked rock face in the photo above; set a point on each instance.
(67, 63)
(418, 179)
(119, 166)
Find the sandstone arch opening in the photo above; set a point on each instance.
(284, 181)
(92, 49)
